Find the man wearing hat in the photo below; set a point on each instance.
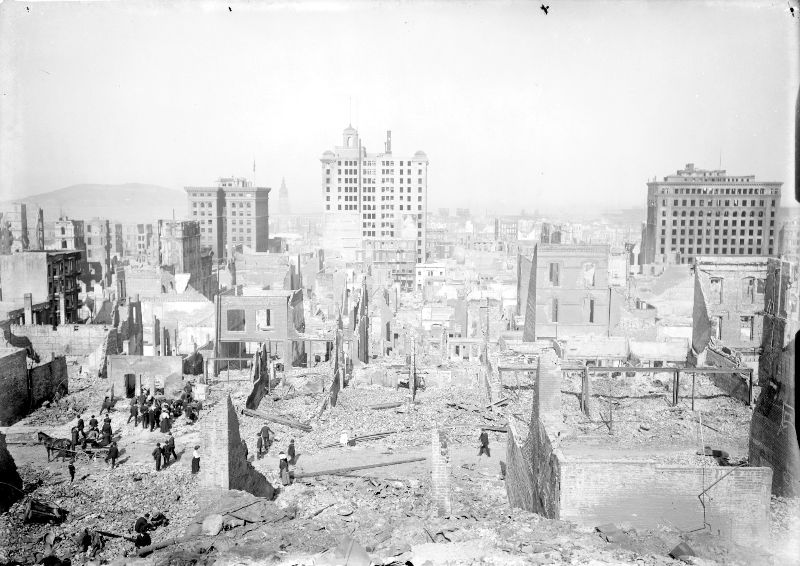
(196, 459)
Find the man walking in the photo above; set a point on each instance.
(157, 454)
(134, 413)
(484, 447)
(71, 469)
(113, 454)
(74, 437)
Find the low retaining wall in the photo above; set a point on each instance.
(645, 494)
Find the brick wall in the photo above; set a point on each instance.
(223, 464)
(440, 472)
(14, 402)
(48, 378)
(644, 494)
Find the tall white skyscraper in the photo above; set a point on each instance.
(375, 203)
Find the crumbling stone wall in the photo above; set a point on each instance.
(22, 390)
(14, 401)
(12, 490)
(223, 464)
(440, 472)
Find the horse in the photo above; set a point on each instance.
(59, 444)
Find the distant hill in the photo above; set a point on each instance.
(132, 202)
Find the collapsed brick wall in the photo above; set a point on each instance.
(14, 400)
(440, 472)
(536, 462)
(224, 455)
(47, 379)
(644, 494)
(519, 470)
(12, 491)
(737, 385)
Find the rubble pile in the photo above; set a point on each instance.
(100, 499)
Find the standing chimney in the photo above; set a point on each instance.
(28, 308)
(62, 309)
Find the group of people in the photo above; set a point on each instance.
(157, 414)
(94, 435)
(163, 452)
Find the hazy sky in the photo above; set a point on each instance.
(515, 108)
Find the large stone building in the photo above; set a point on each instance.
(709, 212)
(51, 280)
(234, 213)
(377, 197)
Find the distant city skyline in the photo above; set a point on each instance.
(516, 109)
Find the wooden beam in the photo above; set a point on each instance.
(338, 471)
(385, 406)
(279, 420)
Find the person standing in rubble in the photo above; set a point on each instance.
(157, 455)
(484, 444)
(283, 469)
(170, 447)
(153, 417)
(74, 438)
(145, 412)
(267, 435)
(93, 422)
(71, 469)
(290, 451)
(166, 425)
(80, 426)
(259, 446)
(134, 413)
(246, 451)
(196, 459)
